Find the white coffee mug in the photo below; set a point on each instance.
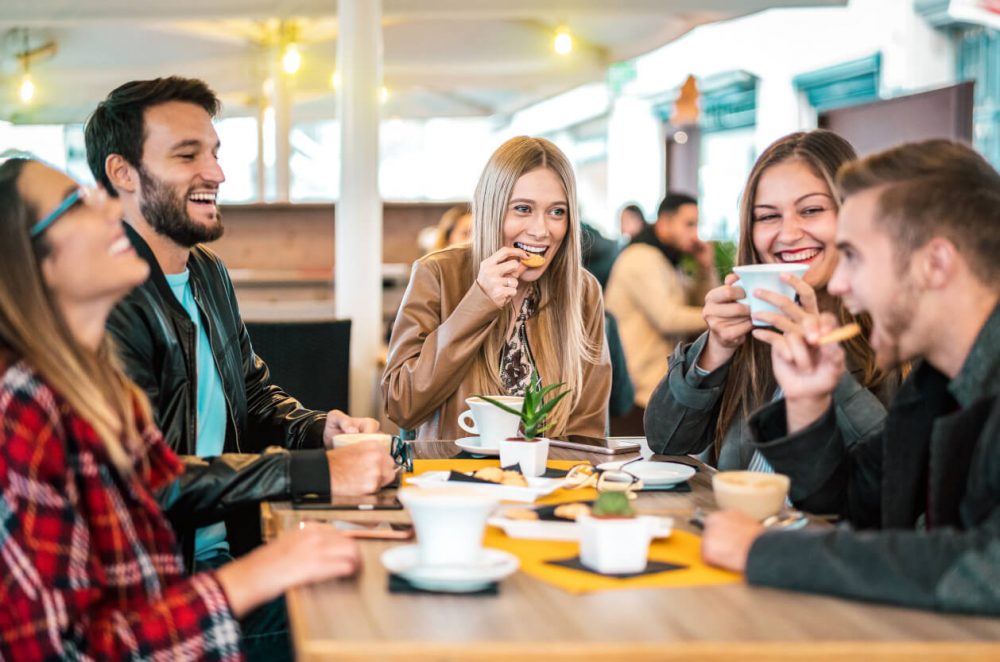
(766, 277)
(449, 523)
(490, 423)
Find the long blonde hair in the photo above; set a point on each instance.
(32, 328)
(751, 381)
(559, 318)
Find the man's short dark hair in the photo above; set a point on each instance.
(117, 126)
(673, 202)
(934, 188)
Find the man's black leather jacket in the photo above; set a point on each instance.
(156, 341)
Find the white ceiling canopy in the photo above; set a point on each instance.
(443, 58)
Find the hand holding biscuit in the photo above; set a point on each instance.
(499, 273)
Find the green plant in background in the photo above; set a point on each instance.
(725, 257)
(535, 409)
(612, 504)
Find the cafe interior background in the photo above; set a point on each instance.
(365, 119)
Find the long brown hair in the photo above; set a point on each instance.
(33, 329)
(560, 289)
(751, 382)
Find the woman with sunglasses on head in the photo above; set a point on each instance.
(788, 214)
(91, 567)
(482, 319)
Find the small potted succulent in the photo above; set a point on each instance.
(613, 540)
(530, 451)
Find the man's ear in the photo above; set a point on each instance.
(122, 174)
(939, 262)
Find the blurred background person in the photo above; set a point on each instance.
(631, 221)
(657, 304)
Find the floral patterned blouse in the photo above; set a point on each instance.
(516, 361)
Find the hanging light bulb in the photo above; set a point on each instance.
(27, 89)
(335, 79)
(563, 42)
(383, 94)
(292, 59)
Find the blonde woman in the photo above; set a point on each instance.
(478, 319)
(91, 566)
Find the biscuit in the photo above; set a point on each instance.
(533, 261)
(521, 513)
(491, 474)
(514, 478)
(571, 510)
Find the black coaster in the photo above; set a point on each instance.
(548, 513)
(466, 455)
(399, 585)
(652, 567)
(549, 471)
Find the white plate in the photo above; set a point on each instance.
(471, 444)
(537, 487)
(654, 473)
(493, 565)
(550, 530)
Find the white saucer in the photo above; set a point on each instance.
(493, 565)
(654, 473)
(471, 444)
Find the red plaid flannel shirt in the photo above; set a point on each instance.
(89, 567)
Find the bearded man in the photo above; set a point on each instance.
(182, 340)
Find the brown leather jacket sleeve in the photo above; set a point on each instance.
(434, 340)
(590, 416)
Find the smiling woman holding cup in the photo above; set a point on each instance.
(787, 253)
(479, 318)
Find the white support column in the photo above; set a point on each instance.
(358, 272)
(282, 129)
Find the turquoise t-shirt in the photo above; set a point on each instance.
(209, 540)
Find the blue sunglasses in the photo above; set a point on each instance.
(43, 225)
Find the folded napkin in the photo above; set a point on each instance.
(399, 585)
(652, 568)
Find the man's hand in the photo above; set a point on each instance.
(806, 371)
(727, 539)
(361, 468)
(704, 253)
(337, 422)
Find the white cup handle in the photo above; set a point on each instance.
(463, 417)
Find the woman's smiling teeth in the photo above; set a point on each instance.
(120, 245)
(802, 255)
(536, 250)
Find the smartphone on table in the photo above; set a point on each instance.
(603, 445)
(377, 501)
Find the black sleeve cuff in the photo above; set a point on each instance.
(309, 473)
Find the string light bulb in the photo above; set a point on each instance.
(335, 80)
(383, 94)
(291, 60)
(563, 42)
(27, 89)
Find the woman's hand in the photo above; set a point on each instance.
(728, 323)
(792, 313)
(498, 274)
(312, 553)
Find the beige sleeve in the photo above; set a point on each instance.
(657, 291)
(429, 357)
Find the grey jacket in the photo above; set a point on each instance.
(923, 494)
(684, 408)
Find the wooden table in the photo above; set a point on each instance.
(358, 619)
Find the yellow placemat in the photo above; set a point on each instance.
(559, 496)
(680, 548)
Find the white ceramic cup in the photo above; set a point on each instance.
(766, 277)
(530, 455)
(449, 523)
(348, 438)
(490, 423)
(755, 493)
(615, 545)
